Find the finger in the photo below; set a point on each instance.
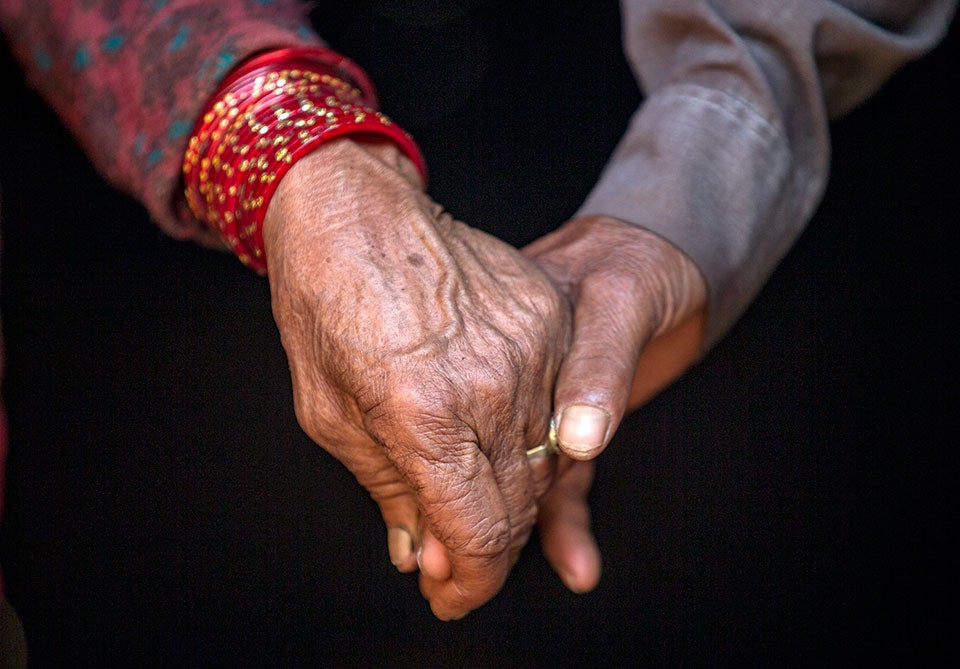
(564, 526)
(596, 375)
(433, 558)
(511, 469)
(461, 504)
(477, 573)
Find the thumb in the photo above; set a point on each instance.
(595, 377)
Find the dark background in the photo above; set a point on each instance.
(791, 500)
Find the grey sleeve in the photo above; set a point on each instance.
(728, 155)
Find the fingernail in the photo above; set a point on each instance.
(582, 430)
(400, 545)
(568, 580)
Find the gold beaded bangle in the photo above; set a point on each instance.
(271, 112)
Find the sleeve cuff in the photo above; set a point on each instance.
(708, 173)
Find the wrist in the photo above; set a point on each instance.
(268, 114)
(350, 191)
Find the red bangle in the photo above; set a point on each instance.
(267, 114)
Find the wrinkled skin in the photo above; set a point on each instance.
(426, 357)
(638, 309)
(423, 354)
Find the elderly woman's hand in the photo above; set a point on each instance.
(423, 355)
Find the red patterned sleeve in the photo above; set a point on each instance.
(129, 77)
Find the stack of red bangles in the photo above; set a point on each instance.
(271, 111)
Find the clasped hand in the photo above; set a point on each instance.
(423, 354)
(428, 356)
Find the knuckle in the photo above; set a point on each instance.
(404, 403)
(489, 539)
(458, 509)
(447, 481)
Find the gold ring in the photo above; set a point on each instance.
(549, 447)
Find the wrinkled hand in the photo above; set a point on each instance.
(423, 355)
(638, 312)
